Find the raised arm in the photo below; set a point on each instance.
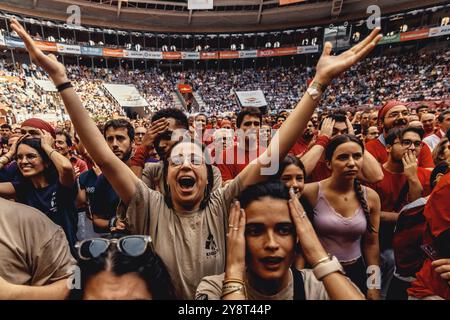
(327, 69)
(371, 170)
(118, 174)
(66, 174)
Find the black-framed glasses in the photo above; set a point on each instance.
(407, 143)
(133, 246)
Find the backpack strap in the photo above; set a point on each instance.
(299, 285)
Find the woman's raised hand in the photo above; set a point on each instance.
(235, 266)
(49, 63)
(329, 66)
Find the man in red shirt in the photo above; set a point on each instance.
(63, 144)
(302, 143)
(394, 114)
(234, 159)
(403, 183)
(433, 280)
(314, 159)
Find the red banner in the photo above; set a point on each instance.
(184, 88)
(46, 46)
(172, 55)
(229, 54)
(285, 51)
(414, 35)
(209, 55)
(267, 53)
(113, 52)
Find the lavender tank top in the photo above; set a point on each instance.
(339, 235)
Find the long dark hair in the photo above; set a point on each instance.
(149, 266)
(50, 172)
(329, 151)
(209, 171)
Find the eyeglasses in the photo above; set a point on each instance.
(396, 114)
(133, 246)
(193, 159)
(407, 143)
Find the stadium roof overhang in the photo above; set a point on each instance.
(228, 16)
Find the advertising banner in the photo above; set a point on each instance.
(390, 39)
(248, 54)
(133, 54)
(209, 55)
(171, 55)
(251, 98)
(439, 31)
(414, 35)
(153, 55)
(107, 52)
(47, 46)
(67, 48)
(190, 55)
(91, 51)
(228, 55)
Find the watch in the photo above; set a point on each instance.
(324, 268)
(315, 90)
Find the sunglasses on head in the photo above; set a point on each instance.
(133, 246)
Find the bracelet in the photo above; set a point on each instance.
(327, 267)
(229, 289)
(64, 86)
(327, 258)
(234, 280)
(323, 141)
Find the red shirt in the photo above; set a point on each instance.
(300, 146)
(320, 172)
(139, 157)
(390, 187)
(378, 150)
(78, 165)
(437, 214)
(230, 170)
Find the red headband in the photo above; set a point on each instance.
(385, 109)
(39, 124)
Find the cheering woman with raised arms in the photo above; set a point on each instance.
(189, 223)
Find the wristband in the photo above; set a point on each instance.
(64, 86)
(326, 267)
(323, 141)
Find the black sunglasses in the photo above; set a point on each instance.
(133, 246)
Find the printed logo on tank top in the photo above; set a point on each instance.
(53, 204)
(211, 246)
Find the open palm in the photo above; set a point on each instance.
(330, 66)
(49, 63)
